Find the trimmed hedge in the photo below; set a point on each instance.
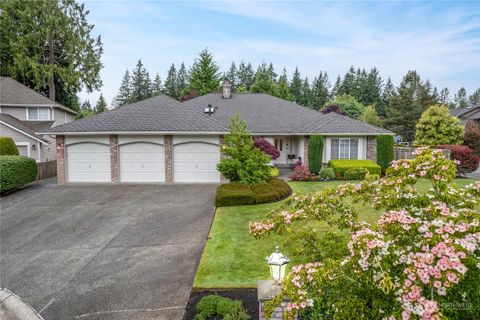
(16, 171)
(385, 153)
(315, 153)
(237, 194)
(341, 165)
(355, 173)
(8, 147)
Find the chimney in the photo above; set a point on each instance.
(226, 89)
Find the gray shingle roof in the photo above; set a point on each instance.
(20, 125)
(156, 114)
(13, 93)
(268, 114)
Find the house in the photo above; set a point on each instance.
(24, 113)
(162, 140)
(467, 114)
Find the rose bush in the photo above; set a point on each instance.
(420, 260)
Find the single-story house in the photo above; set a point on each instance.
(467, 114)
(24, 113)
(162, 140)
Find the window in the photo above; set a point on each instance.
(38, 114)
(344, 148)
(278, 144)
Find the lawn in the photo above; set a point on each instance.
(233, 258)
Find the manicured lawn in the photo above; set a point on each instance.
(233, 258)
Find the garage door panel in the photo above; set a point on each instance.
(88, 162)
(142, 162)
(196, 162)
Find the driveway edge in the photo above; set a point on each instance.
(14, 308)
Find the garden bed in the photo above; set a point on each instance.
(248, 297)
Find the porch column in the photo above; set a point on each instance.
(60, 150)
(306, 139)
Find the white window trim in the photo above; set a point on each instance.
(24, 144)
(27, 116)
(349, 148)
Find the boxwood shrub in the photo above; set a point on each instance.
(8, 147)
(237, 194)
(355, 173)
(16, 171)
(218, 307)
(327, 173)
(341, 165)
(384, 151)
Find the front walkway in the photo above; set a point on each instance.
(106, 251)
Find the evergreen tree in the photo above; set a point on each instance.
(296, 86)
(85, 110)
(474, 99)
(349, 83)
(157, 85)
(336, 87)
(124, 92)
(436, 127)
(101, 105)
(306, 97)
(271, 72)
(246, 76)
(204, 75)
(461, 98)
(387, 93)
(49, 46)
(182, 80)
(263, 81)
(320, 91)
(232, 76)
(370, 116)
(406, 107)
(141, 83)
(444, 97)
(371, 89)
(281, 88)
(170, 85)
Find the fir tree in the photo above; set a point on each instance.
(306, 97)
(263, 81)
(474, 99)
(271, 72)
(444, 97)
(85, 110)
(281, 88)
(141, 83)
(101, 105)
(320, 91)
(182, 80)
(124, 92)
(204, 75)
(232, 76)
(157, 85)
(388, 92)
(170, 85)
(461, 98)
(296, 86)
(246, 76)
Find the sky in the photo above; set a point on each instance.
(439, 39)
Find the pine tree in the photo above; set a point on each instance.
(306, 97)
(246, 76)
(124, 92)
(141, 83)
(461, 98)
(204, 75)
(263, 81)
(170, 85)
(101, 105)
(320, 91)
(232, 76)
(281, 88)
(474, 99)
(157, 85)
(371, 89)
(182, 80)
(296, 86)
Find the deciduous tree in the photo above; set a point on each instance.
(436, 126)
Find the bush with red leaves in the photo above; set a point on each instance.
(472, 136)
(301, 173)
(266, 147)
(191, 95)
(333, 108)
(467, 160)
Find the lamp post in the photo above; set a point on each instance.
(277, 262)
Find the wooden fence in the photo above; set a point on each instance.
(407, 153)
(46, 169)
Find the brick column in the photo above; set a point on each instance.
(305, 150)
(222, 156)
(372, 148)
(168, 159)
(60, 150)
(114, 158)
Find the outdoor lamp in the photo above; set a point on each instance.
(277, 262)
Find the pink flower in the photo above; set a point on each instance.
(437, 284)
(442, 291)
(423, 173)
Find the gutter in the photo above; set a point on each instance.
(14, 308)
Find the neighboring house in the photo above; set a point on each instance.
(467, 114)
(162, 140)
(24, 113)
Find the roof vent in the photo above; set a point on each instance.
(226, 89)
(209, 110)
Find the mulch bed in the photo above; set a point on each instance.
(248, 297)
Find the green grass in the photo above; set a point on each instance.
(233, 258)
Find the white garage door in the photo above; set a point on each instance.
(142, 162)
(88, 162)
(196, 162)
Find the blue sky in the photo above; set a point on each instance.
(441, 40)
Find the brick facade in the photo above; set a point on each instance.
(372, 148)
(305, 150)
(168, 159)
(60, 149)
(114, 158)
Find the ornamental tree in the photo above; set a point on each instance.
(436, 126)
(243, 162)
(420, 260)
(266, 147)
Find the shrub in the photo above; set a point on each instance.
(384, 151)
(237, 194)
(437, 126)
(465, 158)
(266, 147)
(16, 171)
(472, 136)
(347, 104)
(8, 147)
(340, 165)
(333, 108)
(244, 163)
(315, 153)
(217, 307)
(274, 172)
(327, 173)
(302, 173)
(355, 173)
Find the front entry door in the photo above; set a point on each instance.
(280, 145)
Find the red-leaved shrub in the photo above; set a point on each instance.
(301, 173)
(472, 136)
(466, 159)
(333, 108)
(266, 147)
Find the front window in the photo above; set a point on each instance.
(38, 114)
(344, 148)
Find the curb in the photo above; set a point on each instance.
(13, 308)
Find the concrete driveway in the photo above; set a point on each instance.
(106, 251)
